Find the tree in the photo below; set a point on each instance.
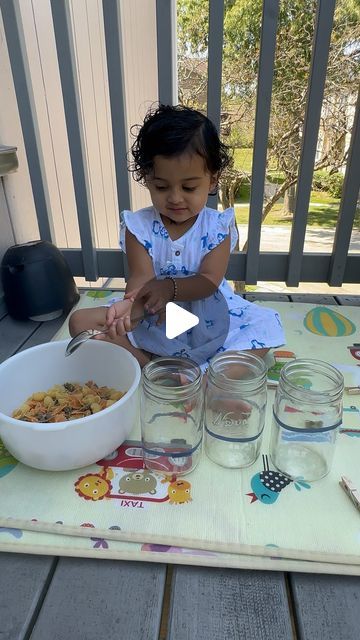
(242, 27)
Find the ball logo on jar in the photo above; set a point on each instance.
(227, 421)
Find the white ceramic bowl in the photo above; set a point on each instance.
(72, 444)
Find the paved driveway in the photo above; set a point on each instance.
(317, 239)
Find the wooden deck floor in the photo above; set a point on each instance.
(48, 598)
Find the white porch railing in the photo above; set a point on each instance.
(93, 262)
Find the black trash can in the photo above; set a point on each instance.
(37, 281)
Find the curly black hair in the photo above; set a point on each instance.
(172, 130)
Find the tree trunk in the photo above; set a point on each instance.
(239, 286)
(224, 195)
(289, 201)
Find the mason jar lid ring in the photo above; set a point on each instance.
(254, 364)
(159, 377)
(308, 366)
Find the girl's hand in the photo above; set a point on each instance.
(156, 294)
(83, 319)
(118, 318)
(132, 294)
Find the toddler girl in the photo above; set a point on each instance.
(178, 250)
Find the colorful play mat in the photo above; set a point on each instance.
(213, 516)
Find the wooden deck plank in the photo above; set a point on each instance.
(349, 300)
(326, 606)
(95, 599)
(315, 298)
(271, 296)
(228, 604)
(16, 336)
(13, 334)
(44, 333)
(23, 584)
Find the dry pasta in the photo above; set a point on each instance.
(68, 401)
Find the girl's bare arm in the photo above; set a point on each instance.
(141, 270)
(140, 264)
(202, 285)
(120, 316)
(87, 319)
(211, 273)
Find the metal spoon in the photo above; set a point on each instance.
(80, 338)
(87, 334)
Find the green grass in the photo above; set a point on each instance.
(243, 161)
(242, 216)
(320, 216)
(324, 197)
(243, 158)
(320, 197)
(323, 216)
(243, 194)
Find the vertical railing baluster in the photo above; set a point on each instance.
(74, 125)
(262, 119)
(316, 84)
(279, 266)
(349, 199)
(114, 56)
(216, 39)
(24, 94)
(166, 51)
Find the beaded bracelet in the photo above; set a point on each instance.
(174, 285)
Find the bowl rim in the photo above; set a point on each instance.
(59, 426)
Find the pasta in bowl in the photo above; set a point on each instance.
(92, 429)
(68, 401)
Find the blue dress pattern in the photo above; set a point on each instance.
(250, 326)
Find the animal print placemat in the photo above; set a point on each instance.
(215, 516)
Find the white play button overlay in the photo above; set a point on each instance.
(197, 337)
(178, 320)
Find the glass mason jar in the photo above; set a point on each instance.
(171, 408)
(235, 402)
(306, 415)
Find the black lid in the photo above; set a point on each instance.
(37, 280)
(29, 252)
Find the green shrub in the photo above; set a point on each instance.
(332, 183)
(239, 136)
(319, 179)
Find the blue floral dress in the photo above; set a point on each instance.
(249, 325)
